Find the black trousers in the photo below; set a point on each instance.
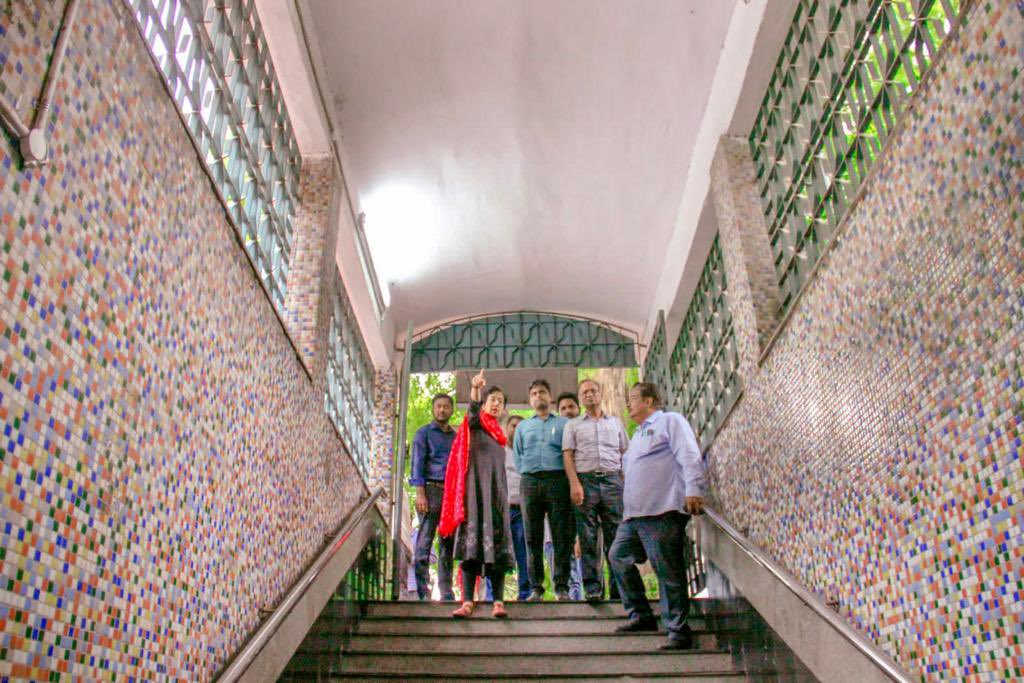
(546, 494)
(424, 543)
(473, 570)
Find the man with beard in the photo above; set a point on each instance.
(537, 449)
(430, 450)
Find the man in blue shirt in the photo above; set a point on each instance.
(664, 485)
(537, 450)
(430, 450)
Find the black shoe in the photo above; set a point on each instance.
(594, 597)
(535, 596)
(677, 644)
(562, 596)
(679, 641)
(638, 626)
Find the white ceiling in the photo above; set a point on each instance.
(519, 154)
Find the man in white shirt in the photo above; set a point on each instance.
(664, 485)
(592, 446)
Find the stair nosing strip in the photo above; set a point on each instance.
(667, 653)
(535, 677)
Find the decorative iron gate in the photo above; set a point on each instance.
(523, 340)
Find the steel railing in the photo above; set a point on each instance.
(270, 628)
(868, 649)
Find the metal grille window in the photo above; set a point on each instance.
(844, 76)
(704, 362)
(216, 63)
(349, 395)
(655, 367)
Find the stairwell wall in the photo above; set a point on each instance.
(167, 467)
(876, 450)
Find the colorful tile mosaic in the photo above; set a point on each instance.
(316, 187)
(745, 250)
(876, 453)
(167, 467)
(385, 408)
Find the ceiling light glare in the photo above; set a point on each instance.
(401, 227)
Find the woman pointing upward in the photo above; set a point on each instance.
(475, 506)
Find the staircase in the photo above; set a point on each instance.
(419, 641)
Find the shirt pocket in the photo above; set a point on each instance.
(653, 444)
(609, 433)
(554, 435)
(533, 439)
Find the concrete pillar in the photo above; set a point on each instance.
(753, 291)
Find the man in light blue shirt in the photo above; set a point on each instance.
(664, 485)
(537, 450)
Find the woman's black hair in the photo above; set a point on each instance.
(495, 389)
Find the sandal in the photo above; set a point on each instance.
(465, 611)
(499, 611)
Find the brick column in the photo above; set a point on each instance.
(309, 227)
(752, 292)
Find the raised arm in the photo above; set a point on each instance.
(477, 384)
(475, 397)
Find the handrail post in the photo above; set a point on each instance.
(399, 470)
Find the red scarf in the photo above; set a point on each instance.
(453, 505)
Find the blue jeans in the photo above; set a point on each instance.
(662, 539)
(515, 520)
(519, 546)
(575, 571)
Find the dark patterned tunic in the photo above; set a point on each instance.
(485, 536)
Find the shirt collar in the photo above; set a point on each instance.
(437, 428)
(586, 416)
(653, 417)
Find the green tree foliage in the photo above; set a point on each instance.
(632, 376)
(422, 390)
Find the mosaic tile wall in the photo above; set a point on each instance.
(167, 467)
(876, 453)
(309, 222)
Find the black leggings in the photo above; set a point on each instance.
(471, 571)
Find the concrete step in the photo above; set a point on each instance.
(490, 666)
(498, 644)
(485, 626)
(702, 677)
(516, 610)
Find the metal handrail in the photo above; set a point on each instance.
(269, 628)
(851, 635)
